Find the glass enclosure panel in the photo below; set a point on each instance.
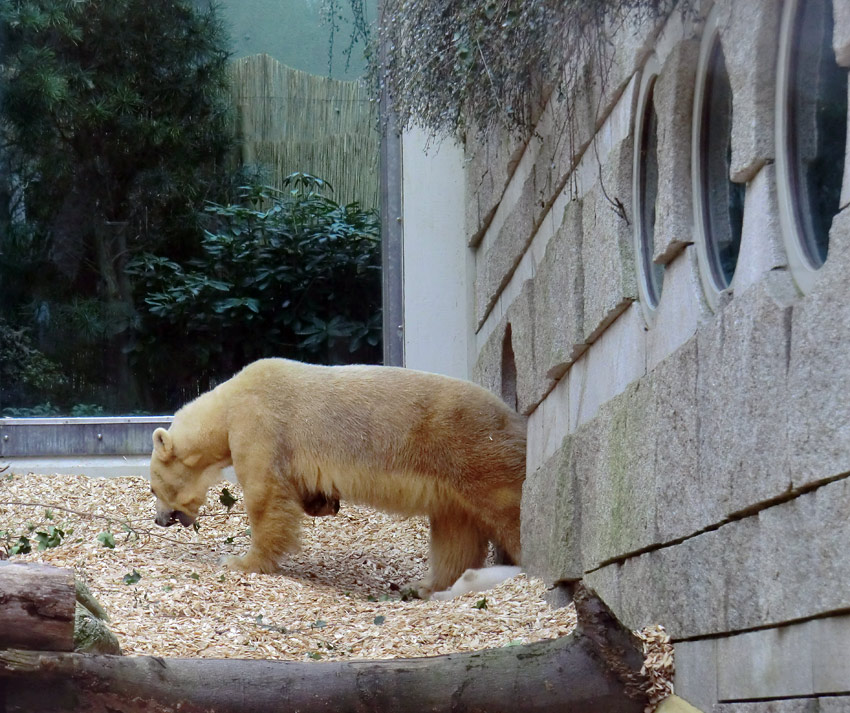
(653, 273)
(185, 186)
(723, 200)
(817, 113)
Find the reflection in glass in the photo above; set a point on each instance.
(723, 200)
(817, 115)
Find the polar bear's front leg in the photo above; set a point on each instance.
(274, 512)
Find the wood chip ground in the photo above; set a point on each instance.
(339, 598)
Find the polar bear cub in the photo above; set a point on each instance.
(301, 437)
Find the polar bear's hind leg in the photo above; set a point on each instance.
(457, 543)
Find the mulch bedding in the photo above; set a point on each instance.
(341, 597)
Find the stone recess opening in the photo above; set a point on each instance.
(509, 373)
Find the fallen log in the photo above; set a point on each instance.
(568, 675)
(37, 604)
(595, 669)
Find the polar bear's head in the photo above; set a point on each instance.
(179, 484)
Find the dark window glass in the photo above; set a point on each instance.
(647, 193)
(817, 114)
(723, 200)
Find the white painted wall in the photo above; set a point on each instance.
(437, 262)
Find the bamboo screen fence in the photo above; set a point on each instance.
(289, 120)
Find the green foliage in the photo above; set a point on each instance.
(43, 534)
(480, 604)
(226, 498)
(131, 578)
(115, 124)
(117, 106)
(25, 372)
(51, 536)
(294, 267)
(107, 539)
(457, 66)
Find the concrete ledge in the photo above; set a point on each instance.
(92, 466)
(38, 437)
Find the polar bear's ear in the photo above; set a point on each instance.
(163, 446)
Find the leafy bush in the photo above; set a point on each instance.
(26, 375)
(288, 273)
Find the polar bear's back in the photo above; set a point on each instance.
(359, 426)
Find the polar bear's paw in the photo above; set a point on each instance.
(248, 564)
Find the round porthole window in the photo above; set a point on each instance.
(718, 201)
(811, 135)
(645, 192)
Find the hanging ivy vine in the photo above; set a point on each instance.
(452, 65)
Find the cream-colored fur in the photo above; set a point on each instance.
(400, 440)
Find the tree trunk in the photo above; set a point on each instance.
(37, 604)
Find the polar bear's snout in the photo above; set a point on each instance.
(167, 519)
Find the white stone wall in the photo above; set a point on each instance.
(691, 464)
(436, 260)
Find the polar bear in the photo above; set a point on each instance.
(301, 436)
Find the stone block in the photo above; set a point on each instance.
(520, 316)
(680, 310)
(558, 297)
(550, 520)
(748, 36)
(490, 161)
(789, 562)
(818, 402)
(762, 251)
(696, 672)
(548, 424)
(674, 98)
(616, 360)
(834, 704)
(830, 663)
(804, 559)
(684, 506)
(487, 370)
(605, 581)
(793, 705)
(613, 459)
(497, 260)
(607, 244)
(742, 401)
(773, 663)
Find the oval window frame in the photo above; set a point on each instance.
(711, 290)
(648, 301)
(804, 273)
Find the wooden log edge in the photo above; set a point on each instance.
(568, 675)
(37, 605)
